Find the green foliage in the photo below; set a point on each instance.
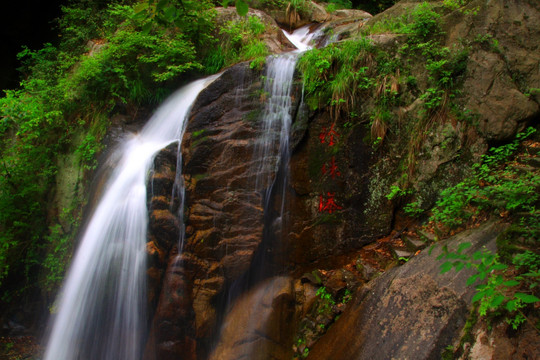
(130, 61)
(87, 152)
(241, 7)
(334, 5)
(28, 142)
(239, 41)
(58, 246)
(493, 187)
(347, 296)
(527, 261)
(488, 42)
(421, 23)
(338, 74)
(497, 294)
(413, 209)
(454, 4)
(301, 343)
(396, 191)
(460, 5)
(444, 66)
(326, 300)
(496, 187)
(191, 17)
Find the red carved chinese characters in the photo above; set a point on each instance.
(329, 204)
(331, 168)
(328, 136)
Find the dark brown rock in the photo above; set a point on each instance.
(315, 233)
(172, 327)
(259, 324)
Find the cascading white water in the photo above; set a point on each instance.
(272, 154)
(277, 117)
(303, 38)
(102, 310)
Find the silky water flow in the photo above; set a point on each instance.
(101, 310)
(272, 155)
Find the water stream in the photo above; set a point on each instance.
(101, 313)
(277, 116)
(272, 154)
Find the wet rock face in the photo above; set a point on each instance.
(224, 214)
(259, 324)
(224, 207)
(163, 225)
(169, 292)
(322, 172)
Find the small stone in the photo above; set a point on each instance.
(413, 244)
(401, 253)
(366, 271)
(311, 278)
(426, 235)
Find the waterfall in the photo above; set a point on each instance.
(102, 309)
(272, 156)
(277, 116)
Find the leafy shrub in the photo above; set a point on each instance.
(498, 293)
(239, 41)
(492, 187)
(338, 74)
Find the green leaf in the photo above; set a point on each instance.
(526, 298)
(241, 7)
(496, 301)
(472, 279)
(447, 266)
(463, 246)
(147, 27)
(161, 4)
(499, 267)
(488, 259)
(169, 13)
(478, 296)
(140, 7)
(511, 305)
(511, 283)
(498, 280)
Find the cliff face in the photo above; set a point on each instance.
(332, 209)
(224, 212)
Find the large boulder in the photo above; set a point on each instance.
(502, 72)
(410, 312)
